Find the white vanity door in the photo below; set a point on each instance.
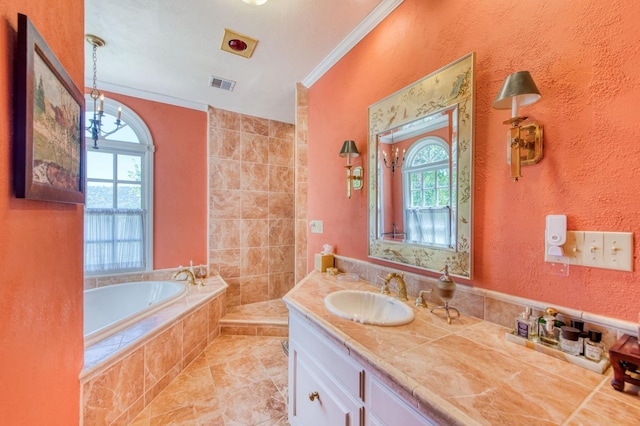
(385, 408)
(316, 399)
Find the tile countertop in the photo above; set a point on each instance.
(467, 372)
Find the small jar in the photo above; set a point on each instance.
(583, 334)
(593, 347)
(569, 340)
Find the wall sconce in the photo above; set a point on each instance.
(354, 178)
(525, 142)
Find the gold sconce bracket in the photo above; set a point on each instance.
(525, 144)
(357, 177)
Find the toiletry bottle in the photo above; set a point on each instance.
(583, 335)
(523, 325)
(593, 348)
(533, 330)
(569, 340)
(546, 332)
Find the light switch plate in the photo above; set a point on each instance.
(618, 250)
(592, 249)
(608, 250)
(316, 226)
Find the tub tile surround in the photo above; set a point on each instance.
(124, 372)
(488, 305)
(251, 205)
(467, 373)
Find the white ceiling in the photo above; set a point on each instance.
(166, 50)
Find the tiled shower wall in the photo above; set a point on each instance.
(302, 130)
(251, 205)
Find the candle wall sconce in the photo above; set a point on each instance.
(354, 174)
(525, 141)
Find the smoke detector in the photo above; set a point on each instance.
(238, 44)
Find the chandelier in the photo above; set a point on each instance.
(98, 108)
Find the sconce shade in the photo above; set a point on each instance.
(349, 148)
(519, 84)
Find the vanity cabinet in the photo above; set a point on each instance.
(328, 387)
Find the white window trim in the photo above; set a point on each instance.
(141, 130)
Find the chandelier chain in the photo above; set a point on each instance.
(95, 93)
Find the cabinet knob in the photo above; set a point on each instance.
(313, 396)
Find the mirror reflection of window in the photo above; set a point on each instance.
(426, 184)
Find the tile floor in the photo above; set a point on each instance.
(237, 380)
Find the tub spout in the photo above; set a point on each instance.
(188, 274)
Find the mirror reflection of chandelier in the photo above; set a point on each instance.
(98, 107)
(396, 160)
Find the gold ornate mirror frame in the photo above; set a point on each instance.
(449, 87)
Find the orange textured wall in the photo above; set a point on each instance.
(180, 181)
(41, 287)
(585, 60)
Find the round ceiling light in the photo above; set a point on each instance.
(237, 45)
(256, 2)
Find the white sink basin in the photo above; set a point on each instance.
(368, 308)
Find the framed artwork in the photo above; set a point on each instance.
(49, 124)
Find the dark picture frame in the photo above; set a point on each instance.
(49, 150)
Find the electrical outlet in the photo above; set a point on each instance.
(316, 226)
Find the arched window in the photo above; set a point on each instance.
(118, 212)
(426, 185)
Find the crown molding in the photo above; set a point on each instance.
(370, 22)
(149, 96)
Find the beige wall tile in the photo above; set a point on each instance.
(281, 130)
(255, 177)
(225, 144)
(280, 152)
(219, 118)
(254, 233)
(254, 289)
(254, 261)
(255, 205)
(225, 234)
(195, 329)
(162, 354)
(255, 148)
(109, 395)
(281, 179)
(225, 204)
(281, 259)
(225, 173)
(250, 124)
(281, 232)
(281, 206)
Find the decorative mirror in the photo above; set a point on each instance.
(420, 172)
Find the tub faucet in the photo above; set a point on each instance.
(189, 275)
(402, 287)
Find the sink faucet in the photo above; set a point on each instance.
(189, 275)
(402, 287)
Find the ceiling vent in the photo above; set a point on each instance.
(222, 83)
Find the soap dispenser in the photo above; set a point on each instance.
(445, 290)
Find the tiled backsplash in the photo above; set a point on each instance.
(488, 305)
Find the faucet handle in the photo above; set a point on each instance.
(384, 289)
(420, 299)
